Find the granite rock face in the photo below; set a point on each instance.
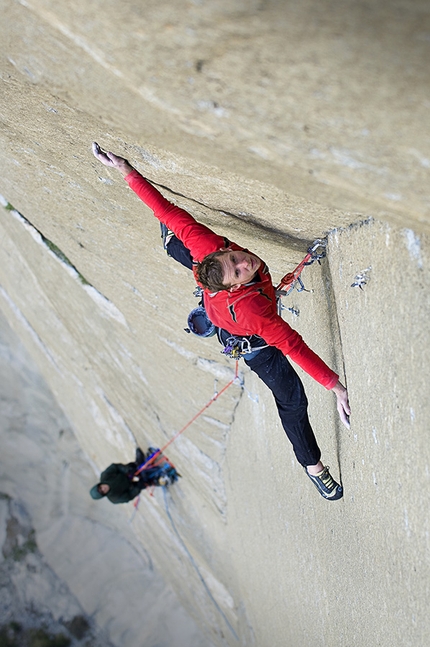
(36, 605)
(69, 570)
(275, 123)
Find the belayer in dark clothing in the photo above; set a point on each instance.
(120, 483)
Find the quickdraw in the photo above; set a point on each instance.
(316, 252)
(289, 282)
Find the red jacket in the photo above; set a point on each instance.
(249, 310)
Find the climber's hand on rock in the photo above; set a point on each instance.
(113, 161)
(342, 403)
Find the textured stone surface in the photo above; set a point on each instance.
(275, 123)
(62, 557)
(33, 599)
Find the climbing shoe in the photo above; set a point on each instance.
(326, 485)
(166, 234)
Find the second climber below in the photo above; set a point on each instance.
(121, 483)
(240, 299)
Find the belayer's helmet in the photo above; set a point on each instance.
(95, 492)
(200, 324)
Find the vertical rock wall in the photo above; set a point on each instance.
(274, 123)
(69, 570)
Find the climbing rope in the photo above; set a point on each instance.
(152, 460)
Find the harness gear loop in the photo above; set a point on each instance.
(237, 347)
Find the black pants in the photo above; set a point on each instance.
(273, 368)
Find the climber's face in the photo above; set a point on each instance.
(239, 267)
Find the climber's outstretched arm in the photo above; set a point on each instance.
(342, 403)
(111, 160)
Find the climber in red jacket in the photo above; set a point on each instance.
(240, 300)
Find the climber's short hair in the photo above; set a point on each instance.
(210, 273)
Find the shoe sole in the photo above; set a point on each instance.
(335, 496)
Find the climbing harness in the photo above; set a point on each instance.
(236, 347)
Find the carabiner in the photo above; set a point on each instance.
(312, 250)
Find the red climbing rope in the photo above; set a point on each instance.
(215, 397)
